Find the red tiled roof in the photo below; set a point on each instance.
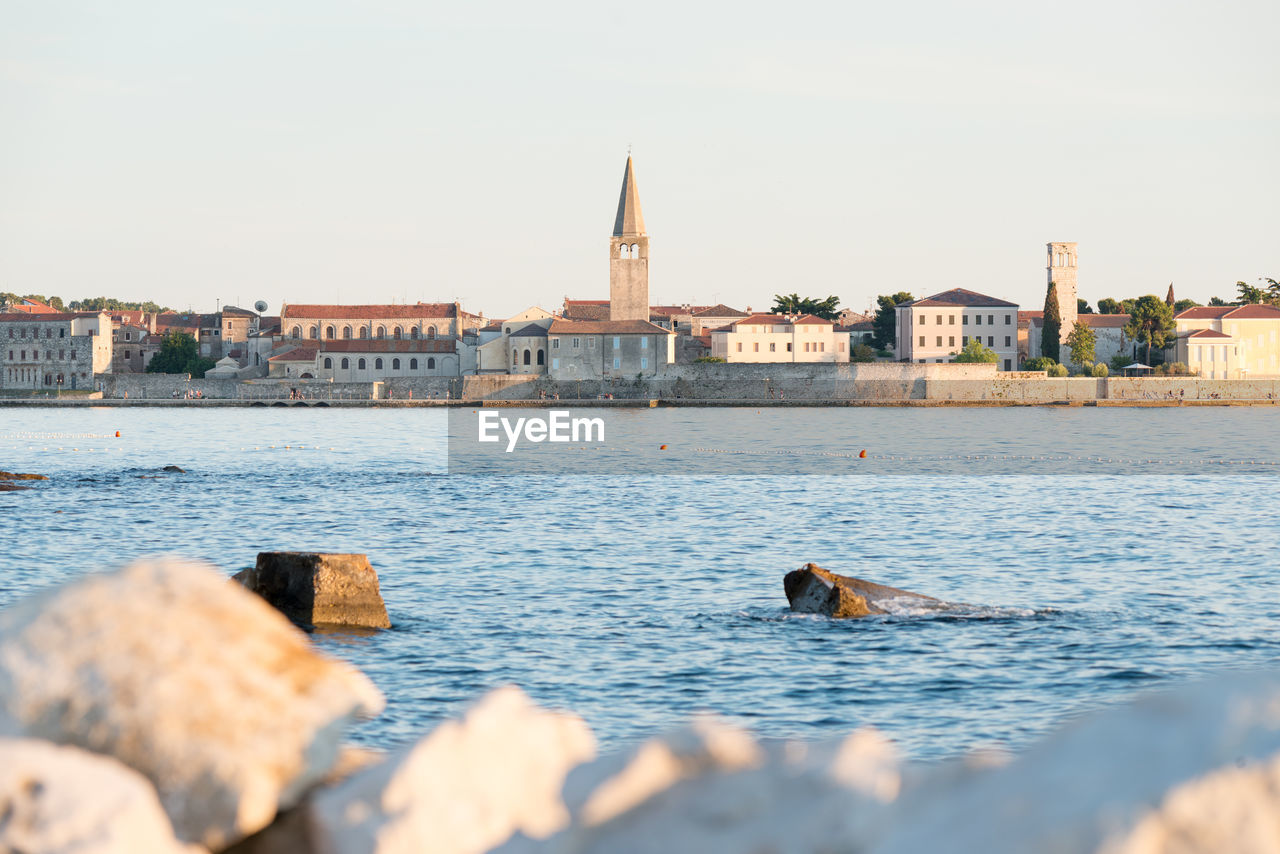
(962, 297)
(369, 312)
(561, 326)
(1255, 312)
(30, 306)
(392, 345)
(811, 320)
(301, 353)
(586, 309)
(720, 310)
(1204, 312)
(1103, 321)
(568, 301)
(1208, 333)
(1024, 316)
(18, 317)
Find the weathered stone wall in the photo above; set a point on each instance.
(1191, 388)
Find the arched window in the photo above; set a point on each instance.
(431, 330)
(541, 358)
(364, 332)
(377, 364)
(360, 364)
(313, 332)
(414, 333)
(635, 250)
(346, 363)
(382, 332)
(413, 364)
(397, 333)
(395, 364)
(527, 357)
(623, 250)
(328, 363)
(431, 364)
(346, 332)
(515, 357)
(295, 332)
(330, 332)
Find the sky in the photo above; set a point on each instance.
(383, 151)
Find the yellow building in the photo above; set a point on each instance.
(1229, 341)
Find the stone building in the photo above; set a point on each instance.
(54, 351)
(409, 321)
(1061, 268)
(376, 360)
(780, 338)
(598, 349)
(528, 348)
(629, 256)
(936, 328)
(1108, 333)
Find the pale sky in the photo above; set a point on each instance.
(367, 152)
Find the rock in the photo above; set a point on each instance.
(10, 487)
(813, 590)
(174, 469)
(63, 800)
(195, 683)
(1128, 779)
(464, 788)
(710, 787)
(9, 475)
(316, 589)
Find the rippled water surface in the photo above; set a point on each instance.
(636, 600)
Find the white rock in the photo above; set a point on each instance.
(710, 787)
(63, 800)
(464, 788)
(187, 678)
(1091, 784)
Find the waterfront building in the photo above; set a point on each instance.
(39, 350)
(629, 255)
(936, 328)
(1229, 341)
(780, 338)
(598, 349)
(409, 321)
(378, 360)
(1108, 332)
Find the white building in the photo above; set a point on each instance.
(936, 328)
(62, 350)
(780, 338)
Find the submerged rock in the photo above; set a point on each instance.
(814, 590)
(463, 789)
(203, 688)
(11, 487)
(63, 800)
(175, 469)
(13, 475)
(318, 589)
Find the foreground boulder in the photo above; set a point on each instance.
(11, 475)
(318, 589)
(461, 790)
(814, 590)
(198, 685)
(62, 800)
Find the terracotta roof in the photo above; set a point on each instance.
(533, 330)
(30, 306)
(962, 297)
(369, 312)
(568, 302)
(860, 326)
(1208, 333)
(560, 326)
(496, 326)
(811, 320)
(1255, 312)
(669, 310)
(236, 311)
(1024, 316)
(392, 345)
(132, 317)
(1103, 321)
(720, 310)
(301, 353)
(1204, 312)
(586, 310)
(760, 320)
(19, 317)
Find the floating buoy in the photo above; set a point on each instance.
(117, 434)
(662, 447)
(862, 455)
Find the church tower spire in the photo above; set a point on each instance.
(629, 255)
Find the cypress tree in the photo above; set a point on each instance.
(1050, 337)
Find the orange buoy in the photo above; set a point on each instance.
(662, 447)
(862, 455)
(117, 434)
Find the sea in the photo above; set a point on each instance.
(1086, 554)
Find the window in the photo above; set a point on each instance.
(789, 346)
(528, 357)
(772, 347)
(330, 332)
(822, 346)
(360, 364)
(542, 356)
(364, 332)
(757, 346)
(431, 332)
(1008, 365)
(555, 364)
(346, 332)
(616, 342)
(313, 333)
(381, 333)
(924, 319)
(431, 364)
(577, 342)
(295, 332)
(977, 319)
(1008, 319)
(397, 333)
(991, 320)
(739, 346)
(644, 363)
(328, 362)
(644, 343)
(346, 363)
(555, 343)
(1007, 339)
(395, 364)
(939, 320)
(515, 357)
(939, 344)
(951, 341)
(806, 346)
(921, 340)
(951, 319)
(617, 363)
(991, 341)
(414, 333)
(377, 364)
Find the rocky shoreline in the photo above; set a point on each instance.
(163, 708)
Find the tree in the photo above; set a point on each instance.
(1184, 304)
(827, 309)
(886, 321)
(113, 304)
(1083, 343)
(1249, 295)
(1107, 305)
(1150, 322)
(975, 352)
(861, 353)
(179, 354)
(1216, 301)
(1082, 306)
(1050, 336)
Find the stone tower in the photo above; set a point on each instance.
(629, 256)
(1062, 272)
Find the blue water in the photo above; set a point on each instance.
(636, 600)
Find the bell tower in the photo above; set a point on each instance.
(1062, 272)
(629, 255)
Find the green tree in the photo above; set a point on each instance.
(1082, 306)
(1150, 322)
(1109, 306)
(827, 309)
(886, 321)
(975, 352)
(1050, 336)
(861, 353)
(1216, 301)
(1039, 363)
(113, 304)
(1247, 294)
(179, 354)
(1083, 344)
(1184, 304)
